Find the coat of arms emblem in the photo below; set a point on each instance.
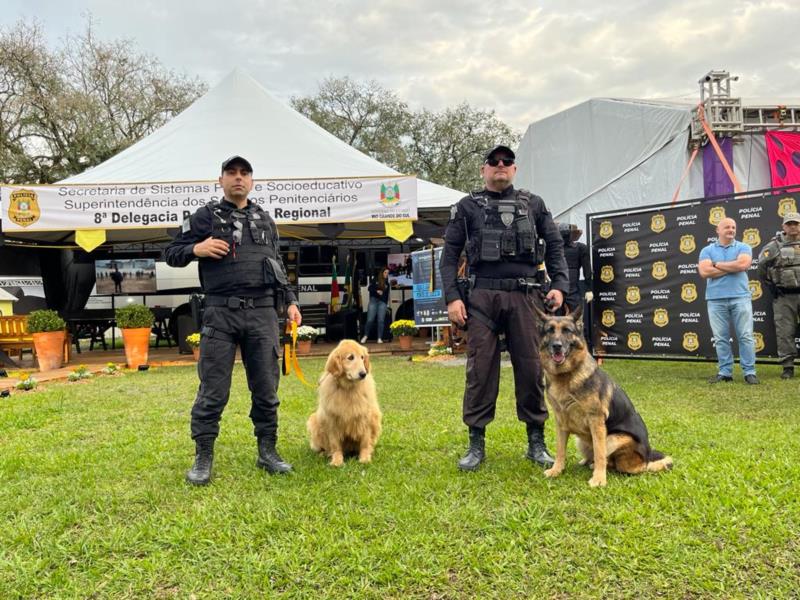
(607, 273)
(755, 289)
(606, 230)
(658, 223)
(690, 341)
(608, 319)
(716, 214)
(661, 317)
(634, 340)
(687, 245)
(659, 270)
(751, 237)
(23, 207)
(632, 294)
(632, 249)
(688, 292)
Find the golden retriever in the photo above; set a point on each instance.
(348, 418)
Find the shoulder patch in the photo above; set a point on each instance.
(187, 225)
(453, 212)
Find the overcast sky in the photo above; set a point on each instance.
(526, 60)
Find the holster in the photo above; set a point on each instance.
(465, 285)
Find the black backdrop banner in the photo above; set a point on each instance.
(649, 298)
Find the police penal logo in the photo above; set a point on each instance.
(632, 249)
(606, 230)
(659, 270)
(687, 245)
(634, 340)
(688, 292)
(758, 338)
(607, 273)
(751, 237)
(661, 317)
(786, 205)
(658, 223)
(755, 289)
(690, 341)
(23, 207)
(716, 214)
(609, 318)
(390, 193)
(632, 294)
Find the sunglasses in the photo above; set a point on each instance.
(493, 162)
(237, 232)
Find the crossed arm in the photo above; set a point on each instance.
(714, 270)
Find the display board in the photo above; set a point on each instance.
(129, 276)
(648, 296)
(429, 305)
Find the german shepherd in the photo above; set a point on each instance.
(586, 402)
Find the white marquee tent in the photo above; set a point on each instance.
(239, 116)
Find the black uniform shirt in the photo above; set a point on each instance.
(468, 213)
(181, 251)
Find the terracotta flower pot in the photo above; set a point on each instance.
(49, 349)
(137, 346)
(405, 342)
(196, 352)
(303, 346)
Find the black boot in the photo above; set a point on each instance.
(788, 373)
(537, 451)
(268, 457)
(200, 473)
(476, 452)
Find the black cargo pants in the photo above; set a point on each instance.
(255, 331)
(513, 311)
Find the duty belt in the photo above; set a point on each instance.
(240, 302)
(520, 284)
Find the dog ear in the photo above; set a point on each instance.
(334, 364)
(366, 360)
(577, 316)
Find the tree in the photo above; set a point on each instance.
(363, 114)
(65, 110)
(447, 147)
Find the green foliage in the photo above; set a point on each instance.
(134, 316)
(40, 321)
(445, 147)
(26, 382)
(69, 108)
(403, 327)
(96, 505)
(81, 372)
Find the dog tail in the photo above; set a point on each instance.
(658, 462)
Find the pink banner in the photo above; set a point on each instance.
(783, 150)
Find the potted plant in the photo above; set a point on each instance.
(305, 335)
(136, 323)
(404, 329)
(194, 343)
(49, 333)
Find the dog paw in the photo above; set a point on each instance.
(364, 458)
(337, 460)
(597, 481)
(552, 472)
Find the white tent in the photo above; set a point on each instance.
(615, 154)
(239, 116)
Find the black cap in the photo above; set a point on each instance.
(237, 160)
(505, 149)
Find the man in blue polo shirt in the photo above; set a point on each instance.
(723, 264)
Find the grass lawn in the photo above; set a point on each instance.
(93, 500)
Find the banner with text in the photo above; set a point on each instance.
(429, 306)
(130, 206)
(648, 296)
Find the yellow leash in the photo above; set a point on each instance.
(290, 358)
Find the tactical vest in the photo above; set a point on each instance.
(507, 233)
(253, 260)
(784, 271)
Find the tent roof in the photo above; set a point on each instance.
(239, 116)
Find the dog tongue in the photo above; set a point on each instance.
(558, 357)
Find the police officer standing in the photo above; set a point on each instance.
(244, 279)
(577, 256)
(779, 269)
(505, 232)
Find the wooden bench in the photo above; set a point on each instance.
(14, 336)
